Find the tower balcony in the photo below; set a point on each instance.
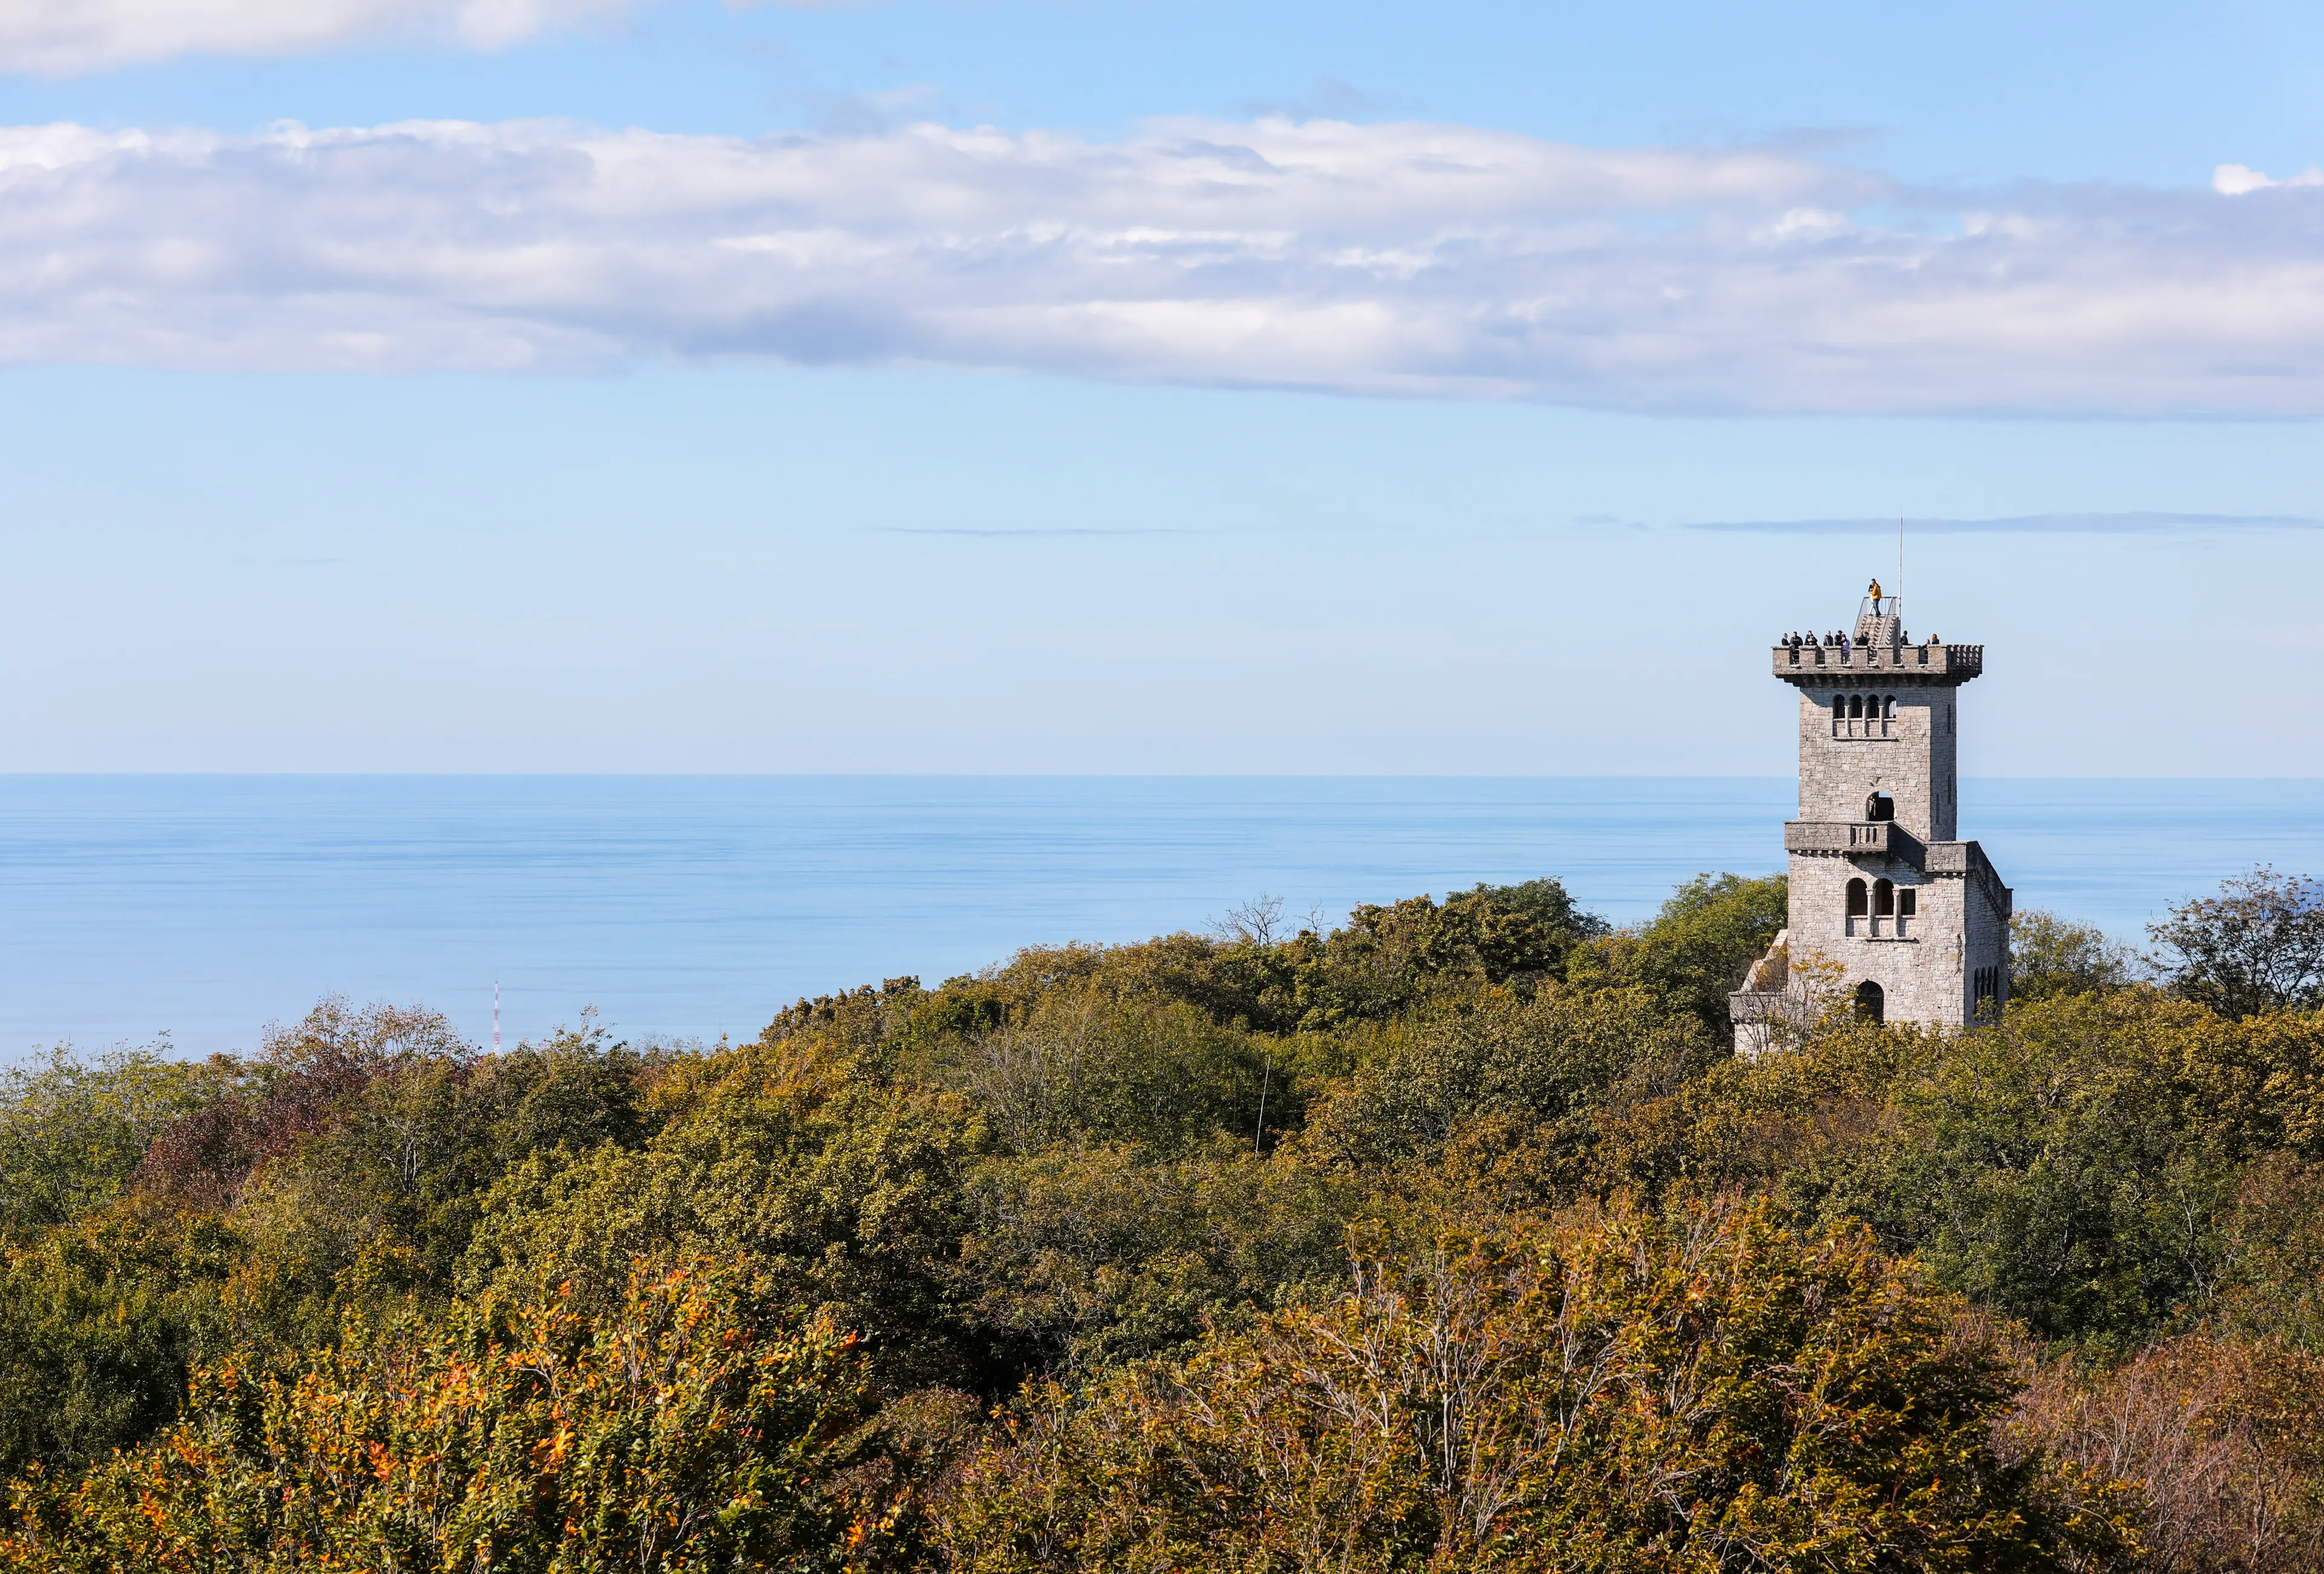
(1888, 839)
(1828, 665)
(1854, 839)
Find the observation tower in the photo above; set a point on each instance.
(1916, 920)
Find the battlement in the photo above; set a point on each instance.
(1831, 666)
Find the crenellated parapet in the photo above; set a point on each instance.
(1871, 666)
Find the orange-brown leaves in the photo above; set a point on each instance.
(1629, 1394)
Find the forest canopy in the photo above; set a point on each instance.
(1454, 1237)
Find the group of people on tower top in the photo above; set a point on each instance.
(1838, 640)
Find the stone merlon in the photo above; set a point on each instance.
(1868, 665)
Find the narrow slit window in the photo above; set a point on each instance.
(1989, 991)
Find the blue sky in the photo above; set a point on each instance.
(571, 385)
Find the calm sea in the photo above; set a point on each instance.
(691, 906)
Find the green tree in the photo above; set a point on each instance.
(1087, 1255)
(2073, 1166)
(1698, 949)
(1249, 974)
(299, 1086)
(1391, 959)
(1084, 1065)
(378, 1197)
(1524, 1081)
(73, 1131)
(2274, 1281)
(845, 1191)
(100, 1320)
(1552, 908)
(2257, 946)
(2049, 956)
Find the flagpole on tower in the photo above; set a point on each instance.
(496, 1016)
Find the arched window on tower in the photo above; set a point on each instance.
(1856, 707)
(1871, 1003)
(1883, 903)
(1985, 983)
(1888, 709)
(1858, 904)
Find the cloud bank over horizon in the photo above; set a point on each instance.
(1368, 258)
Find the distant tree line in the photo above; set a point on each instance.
(1454, 1238)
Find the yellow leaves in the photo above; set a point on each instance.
(425, 1446)
(549, 1453)
(1614, 1394)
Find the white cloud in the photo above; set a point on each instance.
(2234, 180)
(1405, 258)
(61, 37)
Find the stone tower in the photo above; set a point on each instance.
(1917, 921)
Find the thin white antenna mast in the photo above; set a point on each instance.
(496, 1016)
(1900, 556)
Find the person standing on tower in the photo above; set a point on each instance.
(1875, 598)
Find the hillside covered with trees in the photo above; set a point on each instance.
(1452, 1239)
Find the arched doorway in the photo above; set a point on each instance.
(1871, 1004)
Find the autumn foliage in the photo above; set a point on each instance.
(1451, 1239)
(685, 1429)
(1704, 1390)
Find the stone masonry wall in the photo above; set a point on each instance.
(1912, 759)
(1923, 971)
(1986, 938)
